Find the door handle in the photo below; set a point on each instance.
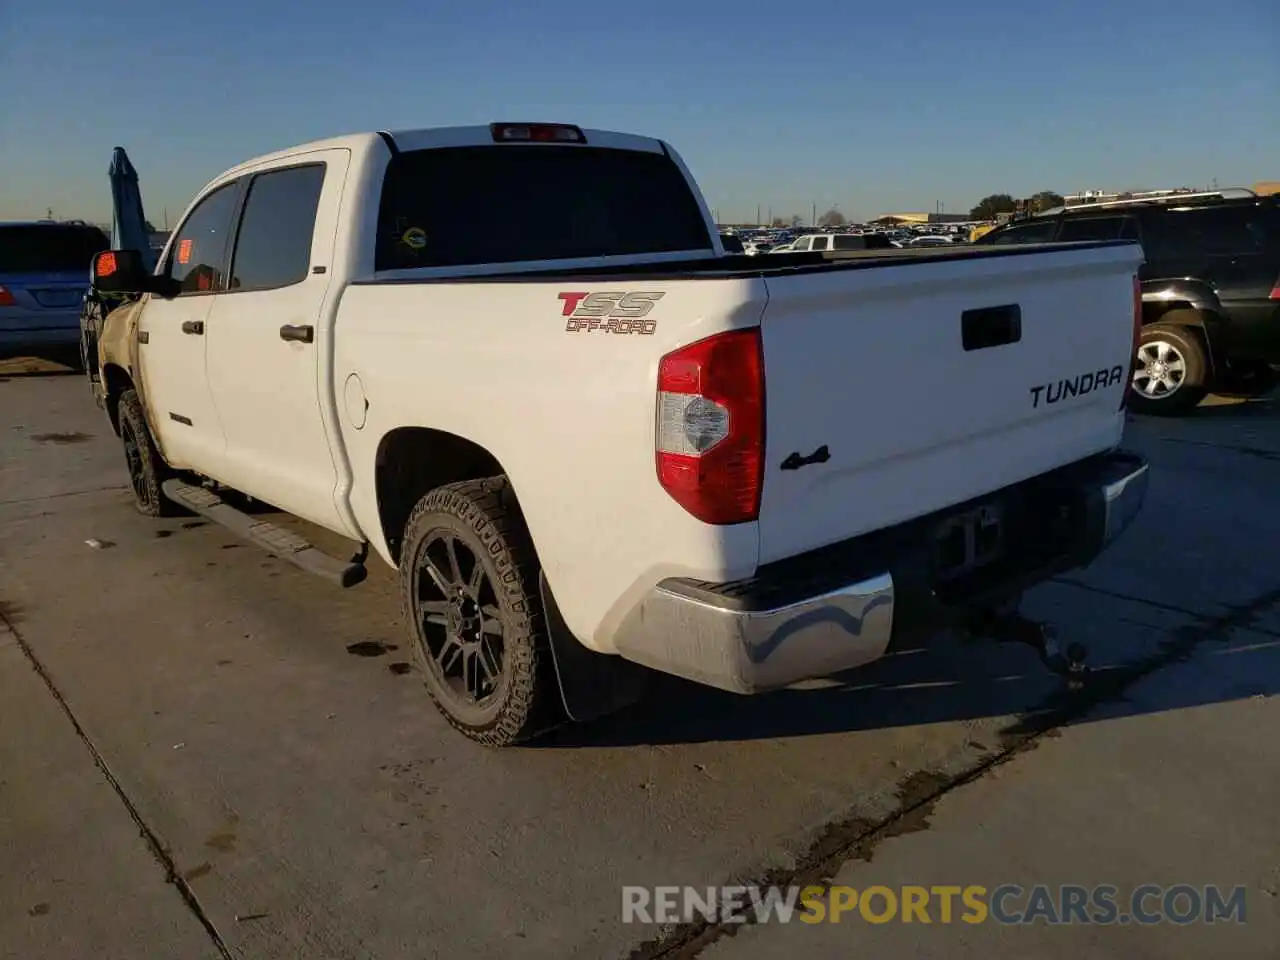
(305, 334)
(194, 327)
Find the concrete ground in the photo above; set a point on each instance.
(206, 753)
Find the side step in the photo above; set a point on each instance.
(275, 540)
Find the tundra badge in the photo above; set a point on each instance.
(1076, 386)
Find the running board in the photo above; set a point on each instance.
(274, 539)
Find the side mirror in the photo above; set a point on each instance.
(119, 271)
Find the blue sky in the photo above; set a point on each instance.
(871, 105)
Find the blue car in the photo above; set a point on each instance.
(44, 274)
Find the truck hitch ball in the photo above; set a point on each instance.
(1068, 662)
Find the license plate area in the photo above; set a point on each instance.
(967, 541)
(57, 299)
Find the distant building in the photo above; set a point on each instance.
(1266, 188)
(920, 219)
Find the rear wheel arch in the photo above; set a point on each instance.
(412, 461)
(1154, 311)
(1196, 322)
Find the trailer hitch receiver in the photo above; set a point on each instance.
(1011, 627)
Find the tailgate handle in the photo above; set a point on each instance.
(991, 326)
(301, 334)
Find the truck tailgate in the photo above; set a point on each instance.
(931, 383)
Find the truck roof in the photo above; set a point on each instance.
(425, 137)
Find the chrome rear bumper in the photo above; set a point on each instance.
(768, 632)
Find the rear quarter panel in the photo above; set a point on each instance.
(569, 415)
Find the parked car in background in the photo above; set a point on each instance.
(44, 275)
(826, 242)
(1210, 287)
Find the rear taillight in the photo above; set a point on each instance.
(1137, 339)
(6, 298)
(710, 436)
(1275, 291)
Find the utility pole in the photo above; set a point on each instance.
(771, 216)
(813, 210)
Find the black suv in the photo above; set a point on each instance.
(1210, 288)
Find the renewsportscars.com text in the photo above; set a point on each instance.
(1010, 904)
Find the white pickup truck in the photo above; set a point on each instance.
(514, 362)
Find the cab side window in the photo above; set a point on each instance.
(273, 246)
(1038, 232)
(199, 251)
(1075, 229)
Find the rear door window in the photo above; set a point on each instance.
(1223, 231)
(50, 248)
(273, 247)
(511, 203)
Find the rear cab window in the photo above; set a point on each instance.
(50, 248)
(506, 204)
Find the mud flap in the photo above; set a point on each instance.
(592, 684)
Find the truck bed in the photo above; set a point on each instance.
(763, 266)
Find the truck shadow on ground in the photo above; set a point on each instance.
(945, 682)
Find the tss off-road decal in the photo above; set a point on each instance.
(609, 312)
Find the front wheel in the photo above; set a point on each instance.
(147, 469)
(1170, 371)
(469, 580)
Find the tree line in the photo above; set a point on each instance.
(988, 208)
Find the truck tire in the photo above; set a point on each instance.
(147, 469)
(469, 579)
(1170, 372)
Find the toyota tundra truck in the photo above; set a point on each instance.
(515, 363)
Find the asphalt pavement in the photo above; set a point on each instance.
(207, 753)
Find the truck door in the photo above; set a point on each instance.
(269, 348)
(172, 337)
